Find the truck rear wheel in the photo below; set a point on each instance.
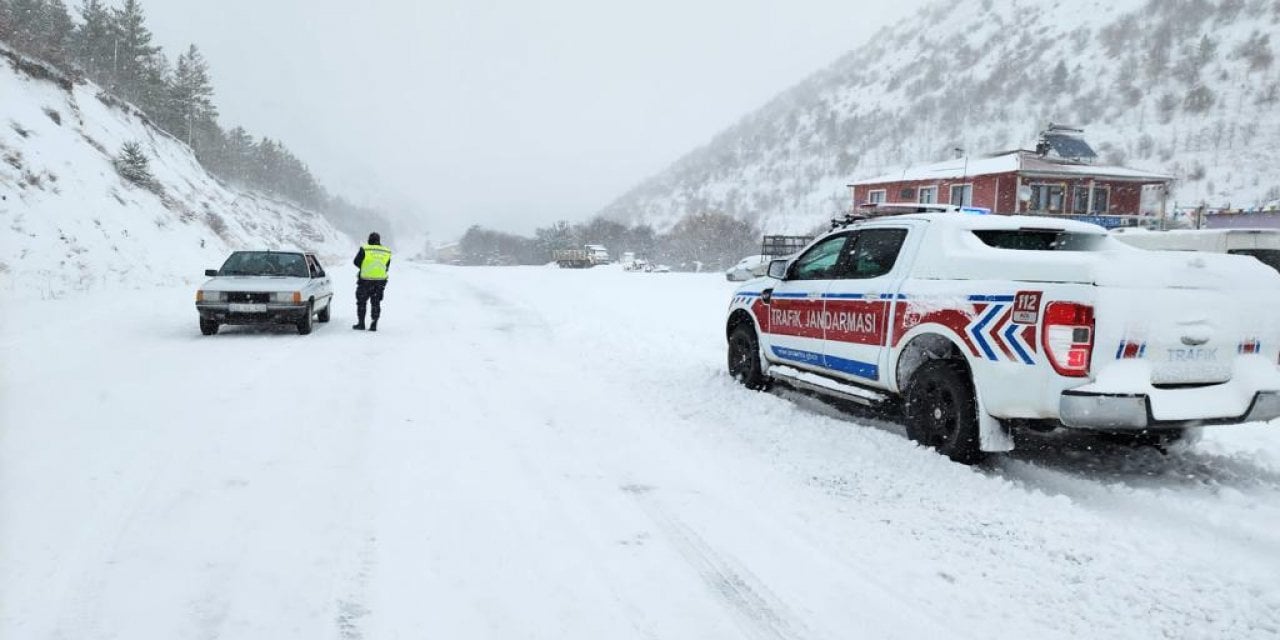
(942, 411)
(744, 358)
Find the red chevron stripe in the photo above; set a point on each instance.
(1029, 338)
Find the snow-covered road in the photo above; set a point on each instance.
(537, 453)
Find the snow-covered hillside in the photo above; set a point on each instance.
(70, 222)
(1185, 87)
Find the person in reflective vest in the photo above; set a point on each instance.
(374, 260)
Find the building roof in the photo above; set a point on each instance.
(1025, 162)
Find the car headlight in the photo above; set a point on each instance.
(210, 296)
(287, 296)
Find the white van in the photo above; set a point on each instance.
(1263, 244)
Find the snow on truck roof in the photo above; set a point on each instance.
(970, 222)
(966, 222)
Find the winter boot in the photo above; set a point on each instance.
(374, 326)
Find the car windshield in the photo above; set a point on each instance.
(265, 263)
(1269, 257)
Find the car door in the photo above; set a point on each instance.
(318, 285)
(794, 333)
(860, 302)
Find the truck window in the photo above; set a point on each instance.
(1269, 257)
(819, 263)
(873, 253)
(1040, 239)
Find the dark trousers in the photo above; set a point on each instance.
(369, 291)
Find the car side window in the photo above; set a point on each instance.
(819, 262)
(316, 270)
(873, 254)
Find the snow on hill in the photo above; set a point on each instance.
(69, 221)
(1185, 87)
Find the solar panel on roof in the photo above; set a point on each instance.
(1069, 146)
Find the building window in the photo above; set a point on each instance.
(1080, 199)
(961, 195)
(1101, 199)
(876, 196)
(928, 195)
(1047, 198)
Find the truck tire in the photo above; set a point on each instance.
(744, 358)
(304, 324)
(208, 327)
(942, 411)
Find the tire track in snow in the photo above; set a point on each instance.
(351, 606)
(756, 610)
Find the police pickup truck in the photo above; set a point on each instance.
(979, 325)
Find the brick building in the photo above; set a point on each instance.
(1023, 182)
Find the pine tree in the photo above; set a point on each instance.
(192, 95)
(6, 20)
(37, 27)
(94, 41)
(133, 165)
(133, 50)
(239, 156)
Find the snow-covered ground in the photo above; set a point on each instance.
(529, 452)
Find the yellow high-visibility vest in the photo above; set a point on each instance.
(376, 259)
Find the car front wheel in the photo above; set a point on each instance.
(208, 327)
(744, 358)
(305, 323)
(323, 316)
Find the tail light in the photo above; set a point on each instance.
(1068, 337)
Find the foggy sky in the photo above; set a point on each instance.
(506, 113)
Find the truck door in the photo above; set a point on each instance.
(859, 305)
(795, 305)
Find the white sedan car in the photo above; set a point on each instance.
(748, 268)
(265, 287)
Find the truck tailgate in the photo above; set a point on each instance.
(1181, 323)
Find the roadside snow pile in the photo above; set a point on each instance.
(70, 222)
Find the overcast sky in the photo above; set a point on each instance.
(507, 113)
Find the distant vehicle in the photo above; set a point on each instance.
(588, 256)
(265, 287)
(598, 253)
(1263, 244)
(778, 246)
(748, 268)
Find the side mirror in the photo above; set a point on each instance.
(212, 273)
(778, 269)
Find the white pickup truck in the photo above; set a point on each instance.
(981, 325)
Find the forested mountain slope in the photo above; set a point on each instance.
(1186, 87)
(93, 194)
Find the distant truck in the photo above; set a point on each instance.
(588, 256)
